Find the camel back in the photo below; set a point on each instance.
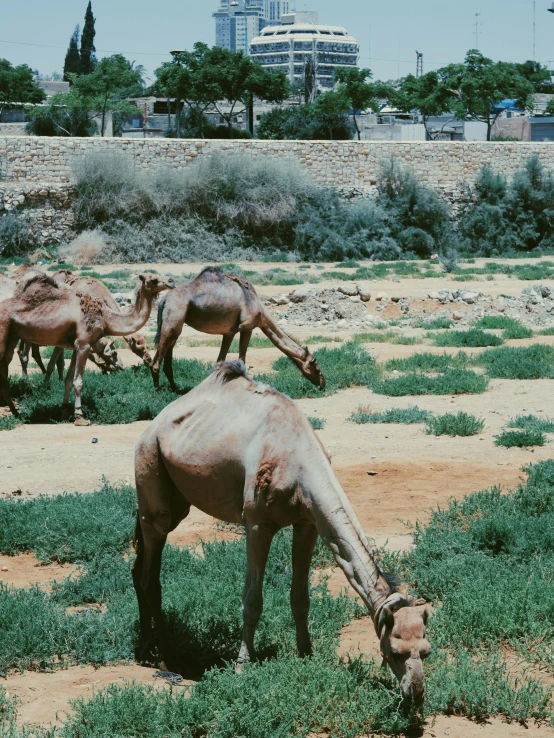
(215, 274)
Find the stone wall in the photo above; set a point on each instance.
(47, 208)
(37, 165)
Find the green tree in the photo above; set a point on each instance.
(538, 75)
(88, 56)
(309, 122)
(65, 115)
(331, 109)
(101, 90)
(361, 94)
(238, 79)
(17, 85)
(479, 84)
(72, 63)
(426, 94)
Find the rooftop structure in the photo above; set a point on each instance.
(298, 39)
(239, 21)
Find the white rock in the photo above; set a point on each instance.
(365, 294)
(381, 296)
(348, 289)
(342, 324)
(457, 315)
(301, 294)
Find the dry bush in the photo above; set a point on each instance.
(87, 248)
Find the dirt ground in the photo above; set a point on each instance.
(411, 473)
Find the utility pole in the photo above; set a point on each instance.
(534, 30)
(419, 64)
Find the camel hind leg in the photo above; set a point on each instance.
(23, 353)
(226, 342)
(304, 538)
(170, 325)
(161, 508)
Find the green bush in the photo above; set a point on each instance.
(16, 237)
(473, 338)
(317, 423)
(407, 416)
(520, 439)
(452, 382)
(512, 328)
(427, 362)
(528, 362)
(436, 324)
(531, 422)
(454, 424)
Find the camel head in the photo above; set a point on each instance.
(310, 369)
(404, 646)
(152, 284)
(61, 276)
(137, 344)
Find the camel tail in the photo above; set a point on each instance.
(158, 335)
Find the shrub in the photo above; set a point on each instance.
(436, 324)
(469, 339)
(16, 238)
(508, 362)
(520, 439)
(427, 362)
(512, 328)
(531, 422)
(454, 424)
(406, 416)
(88, 248)
(317, 423)
(450, 383)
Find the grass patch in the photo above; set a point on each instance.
(473, 338)
(406, 416)
(460, 382)
(427, 362)
(531, 422)
(454, 424)
(546, 332)
(437, 324)
(520, 439)
(324, 339)
(317, 423)
(345, 366)
(513, 329)
(514, 362)
(349, 264)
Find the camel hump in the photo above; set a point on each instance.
(216, 274)
(226, 371)
(32, 278)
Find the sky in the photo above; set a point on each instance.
(36, 32)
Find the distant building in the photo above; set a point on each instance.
(298, 38)
(237, 23)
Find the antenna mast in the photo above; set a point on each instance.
(477, 24)
(419, 64)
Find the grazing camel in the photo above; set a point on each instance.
(50, 314)
(244, 453)
(222, 304)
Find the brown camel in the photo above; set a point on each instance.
(244, 453)
(222, 304)
(46, 313)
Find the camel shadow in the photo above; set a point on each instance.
(191, 654)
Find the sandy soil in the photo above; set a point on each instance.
(411, 473)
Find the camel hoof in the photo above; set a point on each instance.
(239, 667)
(81, 422)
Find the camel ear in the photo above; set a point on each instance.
(387, 617)
(142, 277)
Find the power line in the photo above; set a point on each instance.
(102, 51)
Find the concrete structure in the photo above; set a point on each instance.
(300, 37)
(239, 21)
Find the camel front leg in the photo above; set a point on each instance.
(304, 538)
(258, 543)
(35, 352)
(245, 336)
(4, 368)
(82, 354)
(69, 380)
(226, 342)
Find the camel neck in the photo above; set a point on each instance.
(339, 527)
(118, 324)
(280, 339)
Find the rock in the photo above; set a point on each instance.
(434, 296)
(395, 278)
(469, 297)
(545, 291)
(301, 294)
(457, 315)
(445, 296)
(342, 324)
(348, 289)
(372, 473)
(365, 295)
(396, 298)
(355, 298)
(4, 568)
(381, 296)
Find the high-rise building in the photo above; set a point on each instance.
(299, 40)
(237, 22)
